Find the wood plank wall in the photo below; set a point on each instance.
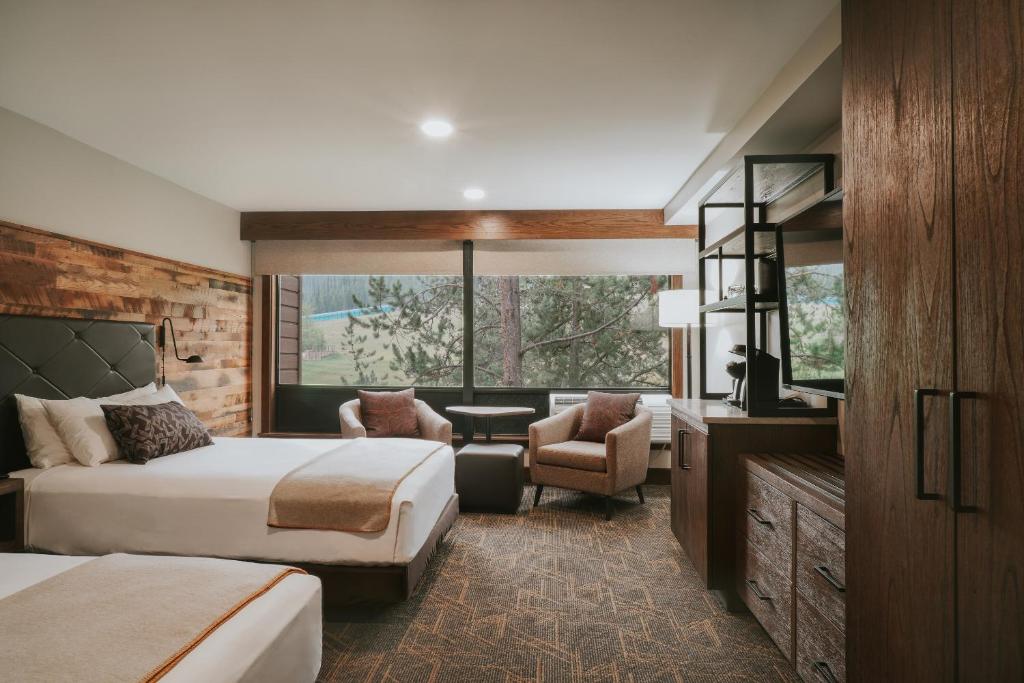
(43, 273)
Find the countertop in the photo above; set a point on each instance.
(714, 411)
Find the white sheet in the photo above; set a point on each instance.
(213, 502)
(276, 637)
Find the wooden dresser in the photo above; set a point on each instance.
(791, 554)
(708, 440)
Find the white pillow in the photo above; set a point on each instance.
(42, 442)
(83, 428)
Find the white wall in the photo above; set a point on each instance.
(52, 182)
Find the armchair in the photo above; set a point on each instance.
(621, 462)
(432, 426)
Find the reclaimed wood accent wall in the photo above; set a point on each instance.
(42, 273)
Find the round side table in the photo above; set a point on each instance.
(488, 412)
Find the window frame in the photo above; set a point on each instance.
(469, 387)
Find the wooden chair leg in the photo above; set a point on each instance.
(536, 495)
(640, 494)
(608, 508)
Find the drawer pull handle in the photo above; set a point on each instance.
(681, 437)
(825, 672)
(759, 519)
(827, 575)
(756, 590)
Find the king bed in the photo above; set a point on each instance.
(209, 501)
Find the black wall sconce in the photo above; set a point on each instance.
(163, 350)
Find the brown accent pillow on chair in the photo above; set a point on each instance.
(146, 432)
(604, 412)
(389, 413)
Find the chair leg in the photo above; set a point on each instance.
(608, 508)
(536, 495)
(640, 494)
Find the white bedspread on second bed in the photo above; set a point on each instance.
(276, 637)
(213, 501)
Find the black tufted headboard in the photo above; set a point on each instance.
(66, 358)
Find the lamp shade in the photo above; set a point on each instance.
(677, 308)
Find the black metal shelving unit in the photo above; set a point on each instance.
(753, 185)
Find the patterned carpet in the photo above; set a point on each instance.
(555, 593)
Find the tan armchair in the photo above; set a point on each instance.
(604, 469)
(432, 426)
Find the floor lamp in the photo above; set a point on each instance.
(677, 308)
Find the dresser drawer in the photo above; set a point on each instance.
(767, 521)
(766, 591)
(821, 565)
(820, 646)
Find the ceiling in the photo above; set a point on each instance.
(315, 105)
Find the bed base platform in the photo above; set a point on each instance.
(348, 585)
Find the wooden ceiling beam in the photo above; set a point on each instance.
(461, 225)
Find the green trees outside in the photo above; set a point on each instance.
(532, 331)
(816, 321)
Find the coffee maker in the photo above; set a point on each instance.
(737, 369)
(766, 367)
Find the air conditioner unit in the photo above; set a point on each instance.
(559, 402)
(661, 426)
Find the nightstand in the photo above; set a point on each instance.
(12, 515)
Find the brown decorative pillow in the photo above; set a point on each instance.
(604, 412)
(389, 413)
(146, 432)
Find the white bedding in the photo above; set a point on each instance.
(213, 501)
(276, 637)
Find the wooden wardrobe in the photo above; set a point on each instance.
(933, 154)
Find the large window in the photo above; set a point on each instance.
(569, 332)
(529, 331)
(365, 330)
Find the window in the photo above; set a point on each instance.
(373, 330)
(532, 332)
(569, 332)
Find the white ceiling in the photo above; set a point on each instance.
(315, 105)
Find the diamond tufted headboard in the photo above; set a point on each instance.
(65, 358)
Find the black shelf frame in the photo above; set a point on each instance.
(752, 305)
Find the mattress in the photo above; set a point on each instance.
(213, 502)
(276, 637)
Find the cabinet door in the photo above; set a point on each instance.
(897, 215)
(690, 493)
(695, 498)
(678, 509)
(989, 152)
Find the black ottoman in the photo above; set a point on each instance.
(489, 477)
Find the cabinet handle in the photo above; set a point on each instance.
(759, 519)
(827, 575)
(824, 671)
(756, 590)
(682, 449)
(955, 454)
(919, 395)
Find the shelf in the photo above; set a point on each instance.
(826, 214)
(734, 245)
(738, 304)
(771, 179)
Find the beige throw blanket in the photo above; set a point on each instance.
(123, 617)
(348, 488)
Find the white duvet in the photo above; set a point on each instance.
(213, 501)
(276, 637)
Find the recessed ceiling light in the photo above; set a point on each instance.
(436, 128)
(474, 193)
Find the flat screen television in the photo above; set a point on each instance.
(812, 313)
